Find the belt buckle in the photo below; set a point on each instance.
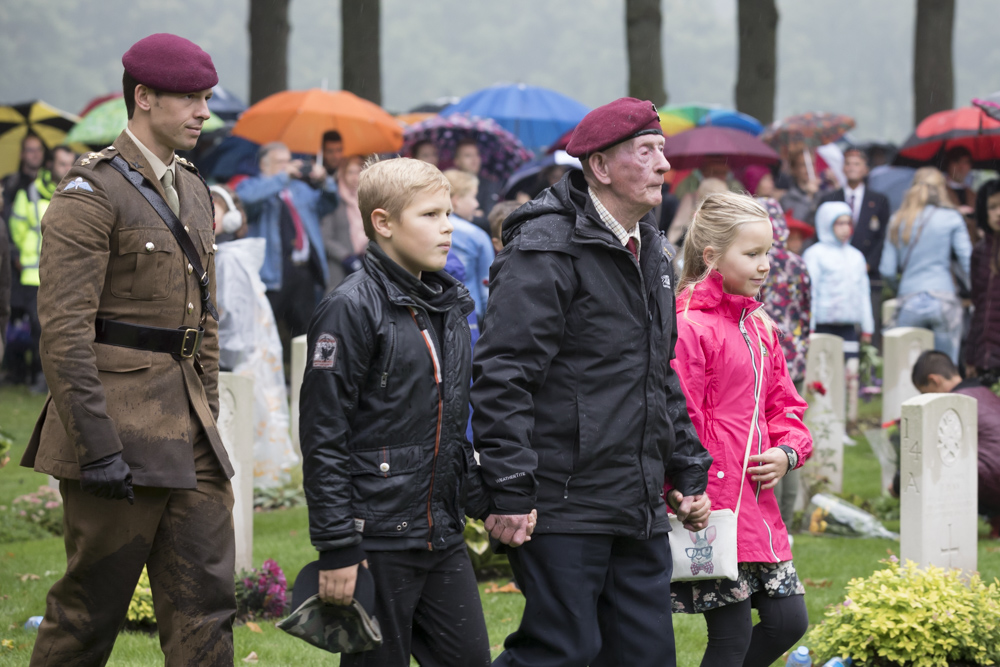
(190, 339)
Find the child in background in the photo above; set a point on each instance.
(498, 214)
(736, 382)
(841, 295)
(983, 346)
(388, 473)
(471, 244)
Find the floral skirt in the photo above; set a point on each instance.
(777, 580)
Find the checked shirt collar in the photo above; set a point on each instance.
(622, 234)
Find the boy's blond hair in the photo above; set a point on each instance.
(500, 212)
(392, 184)
(462, 182)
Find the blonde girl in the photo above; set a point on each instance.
(736, 383)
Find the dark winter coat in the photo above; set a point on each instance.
(385, 461)
(576, 410)
(983, 344)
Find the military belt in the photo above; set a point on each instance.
(182, 343)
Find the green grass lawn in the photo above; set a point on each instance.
(825, 564)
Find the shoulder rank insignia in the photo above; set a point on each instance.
(78, 184)
(186, 164)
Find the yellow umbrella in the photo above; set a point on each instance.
(46, 122)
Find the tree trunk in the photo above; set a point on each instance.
(758, 59)
(643, 21)
(933, 71)
(268, 48)
(361, 54)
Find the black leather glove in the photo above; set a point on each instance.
(109, 477)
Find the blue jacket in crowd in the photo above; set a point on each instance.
(475, 248)
(841, 291)
(263, 207)
(936, 234)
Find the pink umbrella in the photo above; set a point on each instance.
(688, 150)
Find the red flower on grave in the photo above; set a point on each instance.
(818, 388)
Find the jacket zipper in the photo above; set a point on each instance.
(758, 375)
(435, 360)
(389, 357)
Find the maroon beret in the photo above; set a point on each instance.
(170, 63)
(612, 124)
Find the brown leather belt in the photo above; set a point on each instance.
(183, 343)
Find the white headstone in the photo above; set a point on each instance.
(236, 426)
(901, 347)
(889, 307)
(825, 416)
(938, 481)
(298, 372)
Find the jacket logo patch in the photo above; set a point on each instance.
(359, 525)
(78, 184)
(665, 279)
(325, 354)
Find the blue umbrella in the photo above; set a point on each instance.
(228, 158)
(732, 119)
(225, 105)
(528, 172)
(536, 116)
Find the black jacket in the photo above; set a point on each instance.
(384, 454)
(873, 221)
(576, 410)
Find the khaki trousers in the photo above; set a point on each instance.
(183, 536)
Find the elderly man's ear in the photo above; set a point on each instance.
(599, 167)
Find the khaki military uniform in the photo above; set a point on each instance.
(107, 254)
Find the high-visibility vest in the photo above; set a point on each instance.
(26, 224)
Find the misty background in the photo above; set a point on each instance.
(847, 56)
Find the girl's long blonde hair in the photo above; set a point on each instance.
(716, 223)
(929, 188)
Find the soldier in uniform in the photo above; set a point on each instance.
(129, 348)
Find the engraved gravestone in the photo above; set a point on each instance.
(901, 346)
(938, 481)
(824, 391)
(236, 426)
(298, 372)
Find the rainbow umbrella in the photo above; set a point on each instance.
(17, 120)
(679, 118)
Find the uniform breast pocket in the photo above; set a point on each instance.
(208, 247)
(145, 265)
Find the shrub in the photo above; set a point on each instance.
(278, 498)
(261, 593)
(15, 529)
(485, 563)
(42, 507)
(903, 615)
(140, 608)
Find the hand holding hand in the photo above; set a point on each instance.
(337, 586)
(109, 477)
(511, 529)
(693, 511)
(774, 465)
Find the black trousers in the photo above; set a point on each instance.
(427, 604)
(595, 600)
(734, 641)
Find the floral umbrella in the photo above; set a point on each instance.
(806, 131)
(500, 150)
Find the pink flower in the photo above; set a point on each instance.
(51, 505)
(847, 602)
(893, 558)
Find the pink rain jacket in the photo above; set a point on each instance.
(722, 352)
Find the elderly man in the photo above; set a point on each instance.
(576, 410)
(284, 206)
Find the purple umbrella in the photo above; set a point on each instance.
(689, 149)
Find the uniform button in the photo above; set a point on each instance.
(190, 308)
(720, 474)
(186, 228)
(384, 467)
(149, 246)
(190, 269)
(215, 247)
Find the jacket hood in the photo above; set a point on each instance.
(779, 228)
(709, 294)
(566, 197)
(826, 215)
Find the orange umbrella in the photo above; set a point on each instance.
(298, 119)
(413, 117)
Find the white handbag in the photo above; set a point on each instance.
(711, 553)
